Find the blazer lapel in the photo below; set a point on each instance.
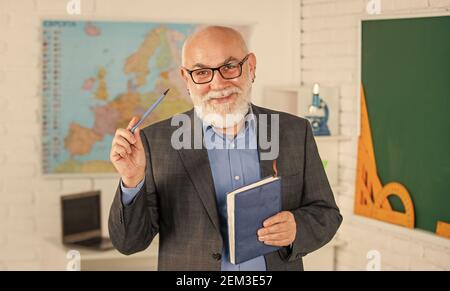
(196, 163)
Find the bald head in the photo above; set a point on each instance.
(212, 40)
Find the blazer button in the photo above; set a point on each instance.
(217, 256)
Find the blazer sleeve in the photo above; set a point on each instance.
(318, 217)
(133, 227)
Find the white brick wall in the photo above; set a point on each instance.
(29, 203)
(329, 56)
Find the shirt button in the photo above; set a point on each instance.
(237, 178)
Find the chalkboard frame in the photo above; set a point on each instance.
(359, 72)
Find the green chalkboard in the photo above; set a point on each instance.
(406, 78)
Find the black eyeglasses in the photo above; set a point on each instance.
(227, 71)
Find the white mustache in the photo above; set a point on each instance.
(221, 93)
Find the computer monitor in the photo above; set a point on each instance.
(81, 216)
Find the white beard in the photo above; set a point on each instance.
(223, 115)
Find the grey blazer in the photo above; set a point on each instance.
(178, 200)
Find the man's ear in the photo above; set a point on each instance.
(252, 65)
(184, 75)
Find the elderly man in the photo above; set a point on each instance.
(180, 193)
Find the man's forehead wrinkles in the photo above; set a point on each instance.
(201, 65)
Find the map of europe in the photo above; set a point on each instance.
(96, 77)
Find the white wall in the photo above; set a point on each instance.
(329, 46)
(29, 204)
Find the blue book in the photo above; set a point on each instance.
(247, 208)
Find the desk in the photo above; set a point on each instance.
(55, 254)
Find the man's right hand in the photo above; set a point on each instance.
(128, 155)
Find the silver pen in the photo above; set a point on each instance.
(149, 110)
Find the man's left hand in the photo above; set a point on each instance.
(279, 230)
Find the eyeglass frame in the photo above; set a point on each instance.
(241, 63)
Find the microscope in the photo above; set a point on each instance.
(318, 114)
